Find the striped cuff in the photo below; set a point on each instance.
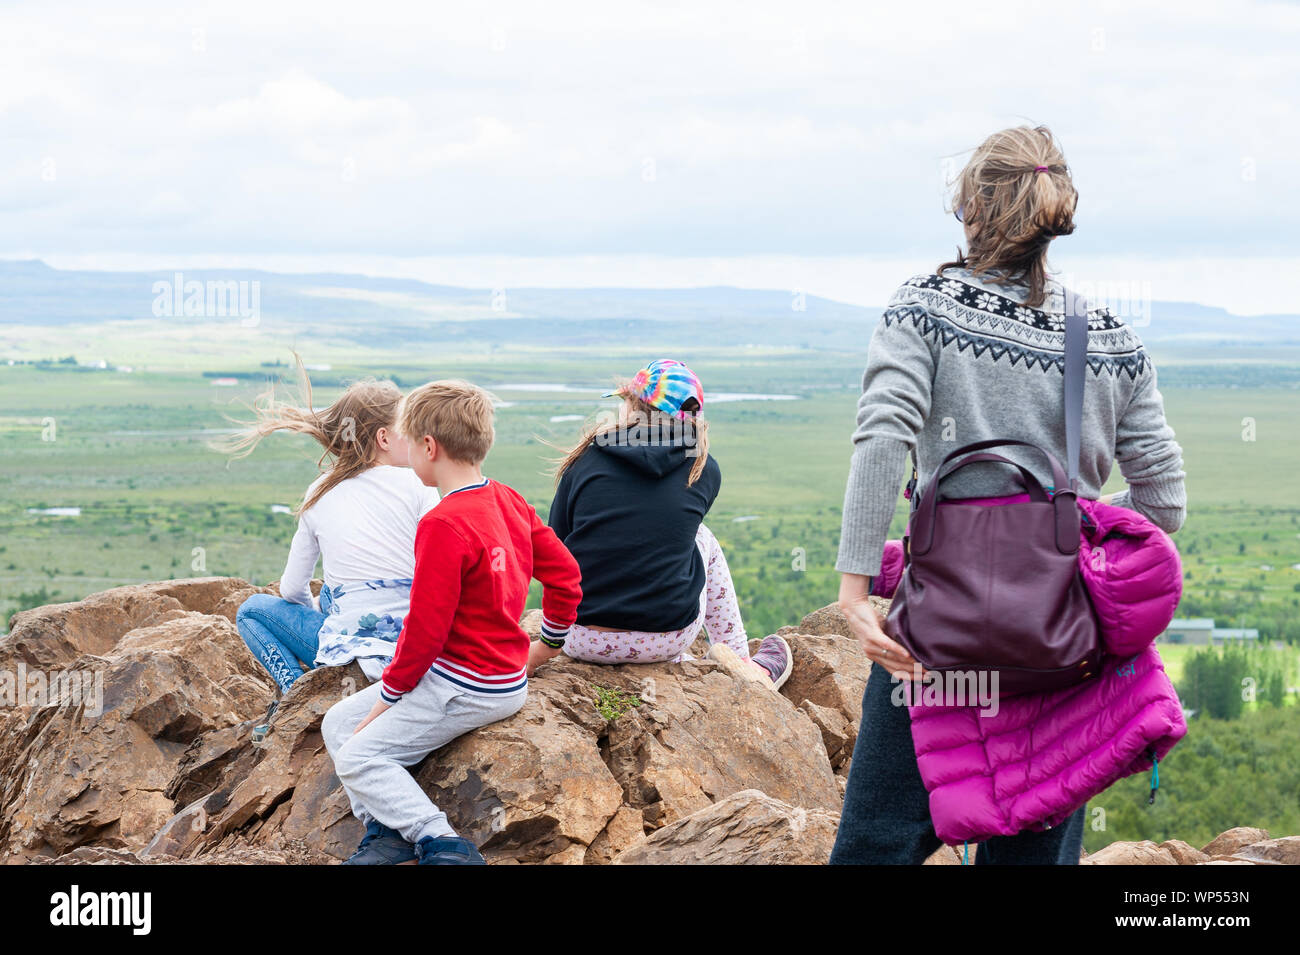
(388, 694)
(553, 634)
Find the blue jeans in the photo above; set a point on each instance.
(886, 817)
(280, 634)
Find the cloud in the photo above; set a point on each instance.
(728, 129)
(297, 104)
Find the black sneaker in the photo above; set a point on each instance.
(449, 850)
(382, 846)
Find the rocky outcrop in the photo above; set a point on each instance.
(1284, 851)
(1131, 853)
(1183, 854)
(1241, 846)
(58, 635)
(116, 688)
(830, 673)
(597, 759)
(98, 855)
(697, 762)
(1229, 842)
(569, 778)
(279, 792)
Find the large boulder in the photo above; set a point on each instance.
(1284, 851)
(279, 792)
(831, 620)
(1183, 853)
(1241, 846)
(90, 763)
(1131, 853)
(597, 757)
(595, 744)
(829, 676)
(58, 635)
(745, 828)
(1226, 843)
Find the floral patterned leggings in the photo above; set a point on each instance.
(719, 615)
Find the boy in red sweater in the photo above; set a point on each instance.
(462, 661)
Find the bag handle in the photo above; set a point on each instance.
(1031, 483)
(922, 532)
(1058, 473)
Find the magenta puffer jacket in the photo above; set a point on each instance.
(1042, 756)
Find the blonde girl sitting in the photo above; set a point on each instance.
(359, 518)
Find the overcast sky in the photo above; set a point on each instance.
(797, 145)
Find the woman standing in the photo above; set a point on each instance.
(972, 352)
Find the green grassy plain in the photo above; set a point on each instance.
(131, 450)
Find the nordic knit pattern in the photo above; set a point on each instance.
(957, 359)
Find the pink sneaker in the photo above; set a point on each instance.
(774, 656)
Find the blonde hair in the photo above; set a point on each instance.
(456, 414)
(347, 430)
(641, 413)
(1017, 194)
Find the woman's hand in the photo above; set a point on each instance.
(379, 707)
(539, 653)
(866, 625)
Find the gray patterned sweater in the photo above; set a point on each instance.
(955, 360)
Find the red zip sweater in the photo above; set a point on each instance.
(475, 554)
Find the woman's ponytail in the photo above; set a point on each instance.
(1016, 195)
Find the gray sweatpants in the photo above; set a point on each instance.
(372, 764)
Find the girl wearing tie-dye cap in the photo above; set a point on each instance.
(630, 503)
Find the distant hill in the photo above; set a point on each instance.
(353, 306)
(1189, 322)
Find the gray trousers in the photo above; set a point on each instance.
(372, 764)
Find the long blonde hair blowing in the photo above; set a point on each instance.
(1017, 194)
(347, 430)
(643, 414)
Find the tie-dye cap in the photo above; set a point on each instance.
(667, 385)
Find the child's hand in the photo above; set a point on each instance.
(379, 707)
(539, 653)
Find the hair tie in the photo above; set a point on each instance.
(1040, 169)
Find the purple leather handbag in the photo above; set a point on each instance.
(999, 588)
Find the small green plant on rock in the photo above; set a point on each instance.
(611, 703)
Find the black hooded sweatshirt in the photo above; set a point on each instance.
(625, 512)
